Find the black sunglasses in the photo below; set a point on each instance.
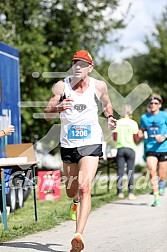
(80, 63)
(156, 103)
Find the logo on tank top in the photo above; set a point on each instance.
(80, 107)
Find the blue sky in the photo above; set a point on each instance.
(141, 20)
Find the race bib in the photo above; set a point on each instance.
(153, 130)
(79, 131)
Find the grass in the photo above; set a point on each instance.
(51, 213)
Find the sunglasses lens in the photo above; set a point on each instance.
(82, 64)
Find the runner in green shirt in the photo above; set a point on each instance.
(126, 138)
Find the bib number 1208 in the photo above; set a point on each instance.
(79, 131)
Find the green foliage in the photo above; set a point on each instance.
(151, 67)
(47, 33)
(140, 168)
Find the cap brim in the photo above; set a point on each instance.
(82, 60)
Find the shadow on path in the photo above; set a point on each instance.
(32, 245)
(130, 203)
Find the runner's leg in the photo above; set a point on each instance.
(152, 167)
(130, 154)
(162, 176)
(71, 173)
(120, 158)
(87, 170)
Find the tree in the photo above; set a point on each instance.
(21, 26)
(47, 33)
(151, 67)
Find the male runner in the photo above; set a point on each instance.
(76, 99)
(155, 124)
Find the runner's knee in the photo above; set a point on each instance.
(85, 189)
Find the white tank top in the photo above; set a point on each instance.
(79, 125)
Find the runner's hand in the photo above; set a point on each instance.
(65, 104)
(112, 123)
(160, 138)
(140, 134)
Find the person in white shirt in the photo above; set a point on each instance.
(76, 99)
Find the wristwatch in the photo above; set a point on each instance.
(110, 116)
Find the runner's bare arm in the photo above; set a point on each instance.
(57, 91)
(102, 92)
(55, 106)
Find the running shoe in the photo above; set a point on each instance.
(77, 243)
(131, 196)
(161, 191)
(156, 203)
(73, 209)
(121, 196)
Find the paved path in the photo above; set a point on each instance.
(121, 226)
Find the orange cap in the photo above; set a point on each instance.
(84, 56)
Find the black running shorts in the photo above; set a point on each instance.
(161, 156)
(73, 155)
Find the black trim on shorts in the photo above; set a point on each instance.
(161, 156)
(73, 155)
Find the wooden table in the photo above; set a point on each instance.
(22, 167)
